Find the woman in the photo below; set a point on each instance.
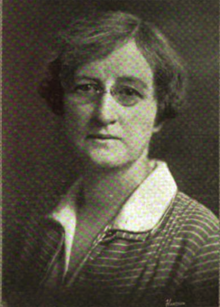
(123, 235)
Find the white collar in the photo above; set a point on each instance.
(142, 211)
(147, 204)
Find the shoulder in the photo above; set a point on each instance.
(194, 225)
(191, 213)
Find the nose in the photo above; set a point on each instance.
(105, 112)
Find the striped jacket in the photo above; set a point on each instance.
(177, 263)
(173, 263)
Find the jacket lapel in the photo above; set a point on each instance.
(44, 239)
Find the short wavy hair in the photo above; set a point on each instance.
(95, 36)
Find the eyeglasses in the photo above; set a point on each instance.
(88, 93)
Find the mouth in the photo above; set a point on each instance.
(103, 137)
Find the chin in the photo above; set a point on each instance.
(108, 162)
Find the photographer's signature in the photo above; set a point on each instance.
(170, 303)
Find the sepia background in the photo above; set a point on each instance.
(37, 160)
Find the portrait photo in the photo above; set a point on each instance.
(110, 153)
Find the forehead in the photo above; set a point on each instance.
(124, 61)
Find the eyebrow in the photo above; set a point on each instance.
(135, 80)
(84, 77)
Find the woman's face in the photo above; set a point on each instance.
(110, 108)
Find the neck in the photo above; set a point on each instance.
(104, 188)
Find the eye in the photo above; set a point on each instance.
(86, 88)
(129, 92)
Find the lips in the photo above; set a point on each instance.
(103, 136)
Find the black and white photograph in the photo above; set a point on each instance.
(111, 153)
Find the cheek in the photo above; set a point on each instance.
(140, 123)
(76, 117)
